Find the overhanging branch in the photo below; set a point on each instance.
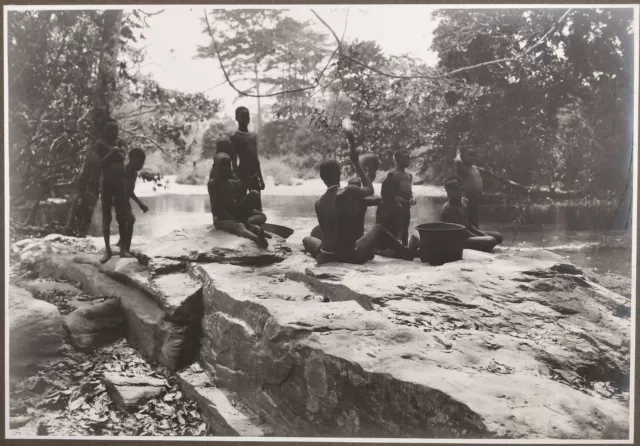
(253, 95)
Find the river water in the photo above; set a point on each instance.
(601, 250)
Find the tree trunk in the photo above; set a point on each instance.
(85, 198)
(259, 115)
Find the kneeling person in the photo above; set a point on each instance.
(456, 210)
(235, 210)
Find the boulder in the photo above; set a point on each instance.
(223, 417)
(403, 349)
(158, 339)
(32, 252)
(177, 293)
(35, 329)
(201, 244)
(93, 326)
(128, 392)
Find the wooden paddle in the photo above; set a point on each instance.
(282, 231)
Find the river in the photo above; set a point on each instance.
(180, 206)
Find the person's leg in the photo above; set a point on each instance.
(485, 244)
(106, 200)
(123, 215)
(312, 245)
(496, 235)
(240, 230)
(317, 232)
(379, 238)
(131, 223)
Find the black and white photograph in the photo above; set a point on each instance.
(407, 223)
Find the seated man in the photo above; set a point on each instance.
(235, 210)
(456, 210)
(370, 164)
(338, 211)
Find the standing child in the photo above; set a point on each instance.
(111, 153)
(394, 213)
(135, 165)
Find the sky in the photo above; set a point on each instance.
(173, 36)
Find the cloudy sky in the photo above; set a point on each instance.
(174, 35)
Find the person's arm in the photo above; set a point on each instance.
(372, 200)
(111, 154)
(142, 206)
(234, 155)
(259, 167)
(367, 185)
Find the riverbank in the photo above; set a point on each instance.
(499, 345)
(304, 188)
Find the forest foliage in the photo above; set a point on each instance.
(545, 102)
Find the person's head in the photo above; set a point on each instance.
(402, 158)
(355, 181)
(370, 163)
(222, 164)
(330, 172)
(110, 130)
(242, 116)
(468, 156)
(224, 145)
(137, 159)
(452, 187)
(451, 98)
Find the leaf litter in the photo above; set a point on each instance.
(68, 397)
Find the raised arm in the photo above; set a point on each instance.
(367, 185)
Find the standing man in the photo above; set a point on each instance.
(246, 164)
(471, 182)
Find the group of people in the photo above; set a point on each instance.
(340, 235)
(235, 185)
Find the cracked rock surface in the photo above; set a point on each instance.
(491, 346)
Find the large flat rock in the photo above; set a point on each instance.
(158, 338)
(177, 293)
(201, 244)
(571, 323)
(484, 347)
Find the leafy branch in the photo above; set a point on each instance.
(518, 58)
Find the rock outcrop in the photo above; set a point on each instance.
(158, 338)
(494, 346)
(129, 392)
(35, 329)
(198, 244)
(92, 326)
(478, 348)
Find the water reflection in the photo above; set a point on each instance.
(605, 250)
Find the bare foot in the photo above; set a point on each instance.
(414, 246)
(106, 257)
(265, 234)
(125, 255)
(262, 242)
